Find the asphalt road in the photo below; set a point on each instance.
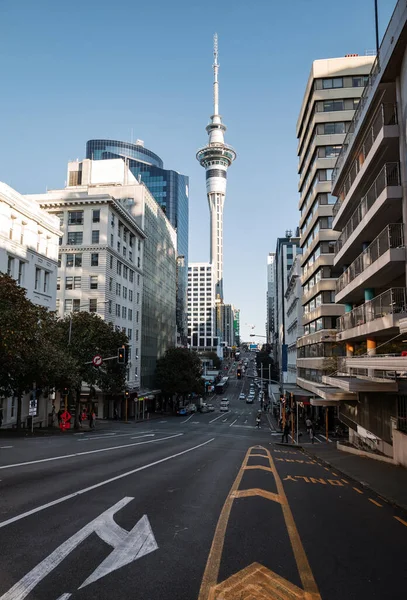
(197, 507)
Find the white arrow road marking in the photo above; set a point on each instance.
(232, 423)
(185, 420)
(64, 596)
(127, 547)
(105, 482)
(143, 436)
(5, 447)
(63, 456)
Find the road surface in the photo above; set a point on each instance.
(184, 508)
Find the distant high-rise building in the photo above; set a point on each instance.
(270, 298)
(169, 188)
(201, 308)
(216, 157)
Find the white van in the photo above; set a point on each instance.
(224, 405)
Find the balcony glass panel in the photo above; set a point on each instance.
(392, 301)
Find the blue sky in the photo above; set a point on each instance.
(84, 69)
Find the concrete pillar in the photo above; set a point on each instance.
(371, 346)
(348, 307)
(349, 349)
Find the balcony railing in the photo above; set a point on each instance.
(391, 237)
(356, 118)
(390, 302)
(386, 115)
(388, 176)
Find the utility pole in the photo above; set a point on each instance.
(292, 415)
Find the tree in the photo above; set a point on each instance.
(29, 353)
(217, 363)
(179, 372)
(263, 358)
(90, 335)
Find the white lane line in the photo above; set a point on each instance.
(63, 456)
(5, 447)
(102, 437)
(325, 438)
(65, 596)
(162, 421)
(318, 440)
(220, 416)
(185, 420)
(137, 437)
(102, 483)
(232, 423)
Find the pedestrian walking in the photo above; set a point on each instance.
(308, 424)
(258, 421)
(311, 434)
(116, 414)
(286, 431)
(93, 414)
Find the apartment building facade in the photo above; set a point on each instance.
(331, 96)
(293, 318)
(370, 216)
(29, 240)
(202, 334)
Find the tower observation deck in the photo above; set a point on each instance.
(216, 157)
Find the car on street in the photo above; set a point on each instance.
(242, 396)
(224, 405)
(211, 407)
(182, 412)
(204, 408)
(249, 400)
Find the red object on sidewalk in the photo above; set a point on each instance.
(65, 421)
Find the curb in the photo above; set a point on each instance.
(365, 485)
(289, 445)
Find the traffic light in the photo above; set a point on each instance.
(121, 355)
(126, 394)
(65, 391)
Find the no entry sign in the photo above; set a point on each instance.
(97, 360)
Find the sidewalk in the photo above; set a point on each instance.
(389, 481)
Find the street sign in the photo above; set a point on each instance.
(32, 411)
(97, 360)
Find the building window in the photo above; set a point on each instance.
(95, 236)
(136, 335)
(110, 284)
(110, 307)
(57, 303)
(93, 282)
(74, 260)
(118, 289)
(76, 307)
(59, 260)
(60, 216)
(58, 283)
(129, 334)
(94, 259)
(124, 251)
(138, 277)
(138, 261)
(130, 256)
(138, 298)
(75, 217)
(124, 312)
(68, 305)
(10, 266)
(117, 310)
(111, 262)
(37, 285)
(77, 283)
(131, 276)
(131, 295)
(96, 216)
(137, 315)
(130, 315)
(119, 267)
(125, 293)
(125, 271)
(75, 238)
(93, 305)
(68, 283)
(112, 220)
(22, 234)
(111, 240)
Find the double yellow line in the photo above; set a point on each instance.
(210, 588)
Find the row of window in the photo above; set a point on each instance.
(329, 83)
(327, 297)
(12, 271)
(322, 248)
(75, 260)
(124, 312)
(322, 273)
(322, 223)
(322, 199)
(336, 104)
(320, 350)
(320, 176)
(318, 324)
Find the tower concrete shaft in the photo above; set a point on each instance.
(216, 157)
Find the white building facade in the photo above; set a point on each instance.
(293, 318)
(270, 299)
(28, 253)
(201, 308)
(100, 262)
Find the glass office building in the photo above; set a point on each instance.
(169, 188)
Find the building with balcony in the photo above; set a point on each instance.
(270, 300)
(287, 249)
(202, 320)
(332, 94)
(370, 218)
(293, 318)
(170, 189)
(29, 239)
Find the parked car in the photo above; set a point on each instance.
(242, 396)
(204, 408)
(211, 407)
(182, 412)
(191, 408)
(249, 400)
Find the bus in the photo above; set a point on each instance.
(222, 385)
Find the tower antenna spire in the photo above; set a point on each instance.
(215, 75)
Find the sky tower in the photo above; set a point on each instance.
(216, 157)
